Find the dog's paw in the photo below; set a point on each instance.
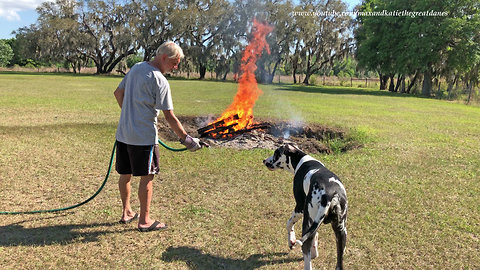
(299, 242)
(291, 244)
(291, 239)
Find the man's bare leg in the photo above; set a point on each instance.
(125, 191)
(145, 192)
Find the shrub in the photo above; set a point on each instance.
(6, 53)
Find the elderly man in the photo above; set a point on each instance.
(141, 95)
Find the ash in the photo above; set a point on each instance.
(308, 137)
(251, 140)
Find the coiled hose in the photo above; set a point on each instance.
(94, 195)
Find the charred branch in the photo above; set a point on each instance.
(216, 124)
(218, 129)
(229, 132)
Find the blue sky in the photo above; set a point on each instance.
(15, 14)
(19, 13)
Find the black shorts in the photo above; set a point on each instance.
(138, 160)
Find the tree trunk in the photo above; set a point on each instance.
(74, 67)
(383, 81)
(294, 71)
(226, 72)
(146, 55)
(450, 87)
(270, 79)
(271, 75)
(307, 78)
(261, 74)
(402, 88)
(391, 88)
(470, 91)
(400, 78)
(412, 83)
(203, 71)
(427, 84)
(439, 90)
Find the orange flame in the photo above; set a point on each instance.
(240, 112)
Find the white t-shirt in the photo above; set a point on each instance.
(147, 92)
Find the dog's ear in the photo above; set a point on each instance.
(290, 147)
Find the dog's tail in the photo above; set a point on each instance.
(316, 223)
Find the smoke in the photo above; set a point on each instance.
(294, 117)
(203, 121)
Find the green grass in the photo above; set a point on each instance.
(413, 188)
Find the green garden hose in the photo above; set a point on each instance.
(170, 148)
(96, 193)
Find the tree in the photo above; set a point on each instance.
(462, 58)
(428, 45)
(344, 68)
(26, 44)
(61, 39)
(278, 15)
(376, 38)
(15, 60)
(201, 24)
(324, 35)
(294, 59)
(6, 53)
(152, 24)
(108, 28)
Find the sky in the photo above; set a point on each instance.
(15, 14)
(19, 13)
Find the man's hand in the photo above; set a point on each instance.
(192, 144)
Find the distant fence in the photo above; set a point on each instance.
(331, 81)
(314, 79)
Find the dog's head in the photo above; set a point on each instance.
(284, 157)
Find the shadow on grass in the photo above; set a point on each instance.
(18, 235)
(196, 259)
(340, 91)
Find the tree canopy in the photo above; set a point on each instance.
(415, 41)
(6, 53)
(212, 33)
(445, 45)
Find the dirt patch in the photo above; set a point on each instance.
(312, 138)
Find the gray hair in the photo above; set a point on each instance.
(171, 49)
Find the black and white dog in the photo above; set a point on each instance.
(319, 196)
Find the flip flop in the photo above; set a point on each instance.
(154, 227)
(129, 220)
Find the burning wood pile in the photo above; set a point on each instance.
(228, 128)
(238, 117)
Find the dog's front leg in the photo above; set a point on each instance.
(290, 228)
(307, 261)
(307, 254)
(314, 249)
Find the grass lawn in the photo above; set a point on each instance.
(414, 188)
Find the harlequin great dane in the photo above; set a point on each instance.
(319, 196)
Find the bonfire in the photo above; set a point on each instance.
(238, 117)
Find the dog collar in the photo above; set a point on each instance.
(303, 160)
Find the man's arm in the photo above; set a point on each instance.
(175, 124)
(119, 94)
